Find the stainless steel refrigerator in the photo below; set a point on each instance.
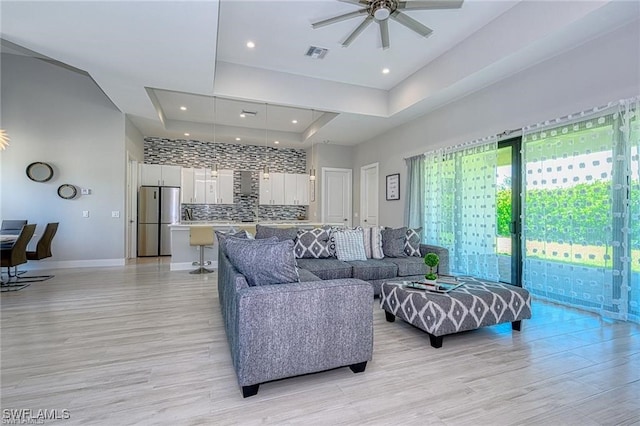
(158, 207)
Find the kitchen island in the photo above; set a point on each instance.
(183, 255)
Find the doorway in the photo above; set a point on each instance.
(369, 195)
(508, 209)
(336, 196)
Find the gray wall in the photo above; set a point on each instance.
(599, 71)
(327, 155)
(60, 117)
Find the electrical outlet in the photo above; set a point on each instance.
(115, 213)
(85, 213)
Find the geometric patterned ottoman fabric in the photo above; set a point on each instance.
(475, 304)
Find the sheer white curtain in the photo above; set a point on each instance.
(460, 206)
(578, 194)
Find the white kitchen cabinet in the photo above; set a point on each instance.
(272, 189)
(296, 189)
(199, 187)
(160, 175)
(187, 187)
(220, 188)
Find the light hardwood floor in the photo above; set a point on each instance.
(142, 345)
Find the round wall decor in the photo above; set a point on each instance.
(67, 191)
(39, 171)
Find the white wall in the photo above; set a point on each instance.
(593, 74)
(134, 141)
(60, 117)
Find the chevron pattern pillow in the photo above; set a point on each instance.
(412, 242)
(312, 244)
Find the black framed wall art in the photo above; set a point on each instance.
(393, 187)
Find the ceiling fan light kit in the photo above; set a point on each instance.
(381, 10)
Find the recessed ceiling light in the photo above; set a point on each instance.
(242, 115)
(276, 142)
(183, 108)
(238, 139)
(251, 44)
(186, 134)
(385, 70)
(294, 121)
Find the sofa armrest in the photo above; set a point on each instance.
(443, 254)
(286, 330)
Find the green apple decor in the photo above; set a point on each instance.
(431, 260)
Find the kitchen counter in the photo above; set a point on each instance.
(183, 254)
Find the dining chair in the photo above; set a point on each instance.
(42, 251)
(16, 255)
(12, 225)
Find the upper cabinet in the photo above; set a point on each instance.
(160, 175)
(296, 189)
(272, 189)
(199, 187)
(287, 189)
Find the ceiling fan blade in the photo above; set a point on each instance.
(358, 2)
(338, 18)
(430, 4)
(384, 33)
(411, 23)
(357, 31)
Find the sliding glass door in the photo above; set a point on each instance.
(578, 238)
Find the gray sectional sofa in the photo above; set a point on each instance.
(324, 321)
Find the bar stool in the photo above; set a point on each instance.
(201, 236)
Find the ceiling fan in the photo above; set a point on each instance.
(382, 10)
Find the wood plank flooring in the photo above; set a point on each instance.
(142, 345)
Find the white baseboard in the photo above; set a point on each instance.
(63, 264)
(184, 266)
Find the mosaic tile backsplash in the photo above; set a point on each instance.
(192, 153)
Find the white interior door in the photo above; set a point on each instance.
(336, 196)
(369, 194)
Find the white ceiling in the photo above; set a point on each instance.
(151, 58)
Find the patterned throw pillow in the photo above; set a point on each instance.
(263, 262)
(373, 242)
(412, 242)
(312, 244)
(349, 244)
(393, 242)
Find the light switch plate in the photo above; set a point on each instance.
(85, 213)
(115, 213)
(85, 191)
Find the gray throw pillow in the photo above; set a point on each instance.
(222, 238)
(263, 262)
(393, 242)
(281, 233)
(412, 242)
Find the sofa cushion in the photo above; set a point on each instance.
(409, 265)
(312, 244)
(349, 245)
(326, 269)
(306, 276)
(393, 242)
(263, 262)
(373, 242)
(373, 269)
(412, 241)
(281, 233)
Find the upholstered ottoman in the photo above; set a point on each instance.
(475, 304)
